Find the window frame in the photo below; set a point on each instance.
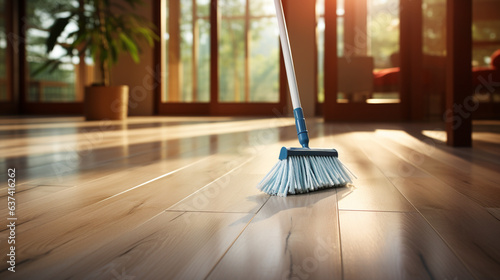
(11, 104)
(411, 100)
(214, 107)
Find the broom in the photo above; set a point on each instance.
(301, 170)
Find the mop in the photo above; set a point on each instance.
(301, 170)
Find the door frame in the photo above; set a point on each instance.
(20, 70)
(10, 106)
(411, 96)
(213, 107)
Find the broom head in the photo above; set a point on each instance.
(302, 170)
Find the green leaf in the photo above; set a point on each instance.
(130, 46)
(94, 45)
(56, 30)
(82, 37)
(55, 65)
(52, 63)
(123, 31)
(41, 68)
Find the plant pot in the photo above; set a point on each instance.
(106, 102)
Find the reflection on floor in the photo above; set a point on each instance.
(165, 198)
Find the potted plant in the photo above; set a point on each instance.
(106, 28)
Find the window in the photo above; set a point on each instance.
(485, 41)
(485, 31)
(188, 51)
(434, 27)
(248, 52)
(368, 43)
(383, 33)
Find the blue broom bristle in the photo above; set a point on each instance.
(302, 174)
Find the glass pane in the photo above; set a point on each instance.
(262, 8)
(264, 60)
(204, 60)
(482, 54)
(486, 30)
(165, 54)
(434, 27)
(187, 40)
(55, 84)
(340, 36)
(486, 40)
(383, 30)
(255, 79)
(369, 71)
(232, 51)
(188, 51)
(3, 62)
(232, 7)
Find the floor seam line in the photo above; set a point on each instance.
(236, 239)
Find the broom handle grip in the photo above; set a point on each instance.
(300, 122)
(287, 55)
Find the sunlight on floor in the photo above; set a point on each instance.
(435, 134)
(107, 136)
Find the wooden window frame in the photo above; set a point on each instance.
(411, 97)
(19, 79)
(10, 106)
(213, 107)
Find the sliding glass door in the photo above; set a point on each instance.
(57, 83)
(187, 51)
(5, 94)
(359, 43)
(59, 87)
(8, 103)
(248, 52)
(63, 82)
(219, 57)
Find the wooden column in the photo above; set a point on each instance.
(214, 53)
(22, 25)
(330, 77)
(195, 50)
(458, 73)
(410, 60)
(418, 96)
(247, 37)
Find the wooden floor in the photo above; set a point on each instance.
(175, 198)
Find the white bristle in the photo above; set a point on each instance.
(302, 174)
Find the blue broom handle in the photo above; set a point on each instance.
(300, 122)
